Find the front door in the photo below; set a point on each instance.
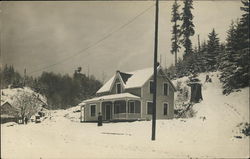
(108, 111)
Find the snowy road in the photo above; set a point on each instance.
(213, 137)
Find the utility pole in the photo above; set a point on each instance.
(155, 70)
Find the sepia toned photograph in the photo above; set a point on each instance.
(115, 79)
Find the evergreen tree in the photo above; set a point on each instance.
(228, 64)
(241, 74)
(10, 77)
(213, 48)
(176, 30)
(243, 28)
(187, 28)
(235, 63)
(220, 56)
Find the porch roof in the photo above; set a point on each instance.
(112, 97)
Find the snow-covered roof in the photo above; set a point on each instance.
(106, 86)
(137, 79)
(10, 94)
(133, 79)
(113, 96)
(4, 102)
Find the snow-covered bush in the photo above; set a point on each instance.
(186, 111)
(245, 128)
(182, 96)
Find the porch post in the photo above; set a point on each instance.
(112, 109)
(84, 112)
(101, 107)
(141, 108)
(126, 108)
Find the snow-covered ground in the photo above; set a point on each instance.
(210, 134)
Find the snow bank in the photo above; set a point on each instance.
(210, 134)
(73, 113)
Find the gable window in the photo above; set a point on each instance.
(165, 109)
(149, 107)
(131, 107)
(92, 110)
(151, 87)
(118, 88)
(165, 89)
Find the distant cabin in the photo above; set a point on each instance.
(8, 112)
(128, 96)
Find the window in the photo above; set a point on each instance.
(165, 89)
(165, 109)
(149, 107)
(151, 86)
(118, 88)
(131, 107)
(92, 110)
(119, 107)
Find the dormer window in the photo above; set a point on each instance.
(118, 88)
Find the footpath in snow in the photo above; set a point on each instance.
(210, 134)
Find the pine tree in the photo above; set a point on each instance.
(235, 67)
(227, 61)
(243, 28)
(213, 48)
(241, 74)
(176, 30)
(187, 28)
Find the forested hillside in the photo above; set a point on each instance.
(230, 57)
(62, 91)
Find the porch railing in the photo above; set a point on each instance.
(126, 116)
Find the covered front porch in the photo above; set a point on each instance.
(121, 109)
(117, 107)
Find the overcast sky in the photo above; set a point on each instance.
(39, 34)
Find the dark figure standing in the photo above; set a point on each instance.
(208, 79)
(25, 120)
(99, 119)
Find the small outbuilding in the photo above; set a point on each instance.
(8, 113)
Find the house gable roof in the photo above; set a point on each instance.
(133, 79)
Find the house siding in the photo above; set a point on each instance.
(160, 99)
(134, 91)
(146, 96)
(87, 111)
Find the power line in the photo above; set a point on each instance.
(95, 43)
